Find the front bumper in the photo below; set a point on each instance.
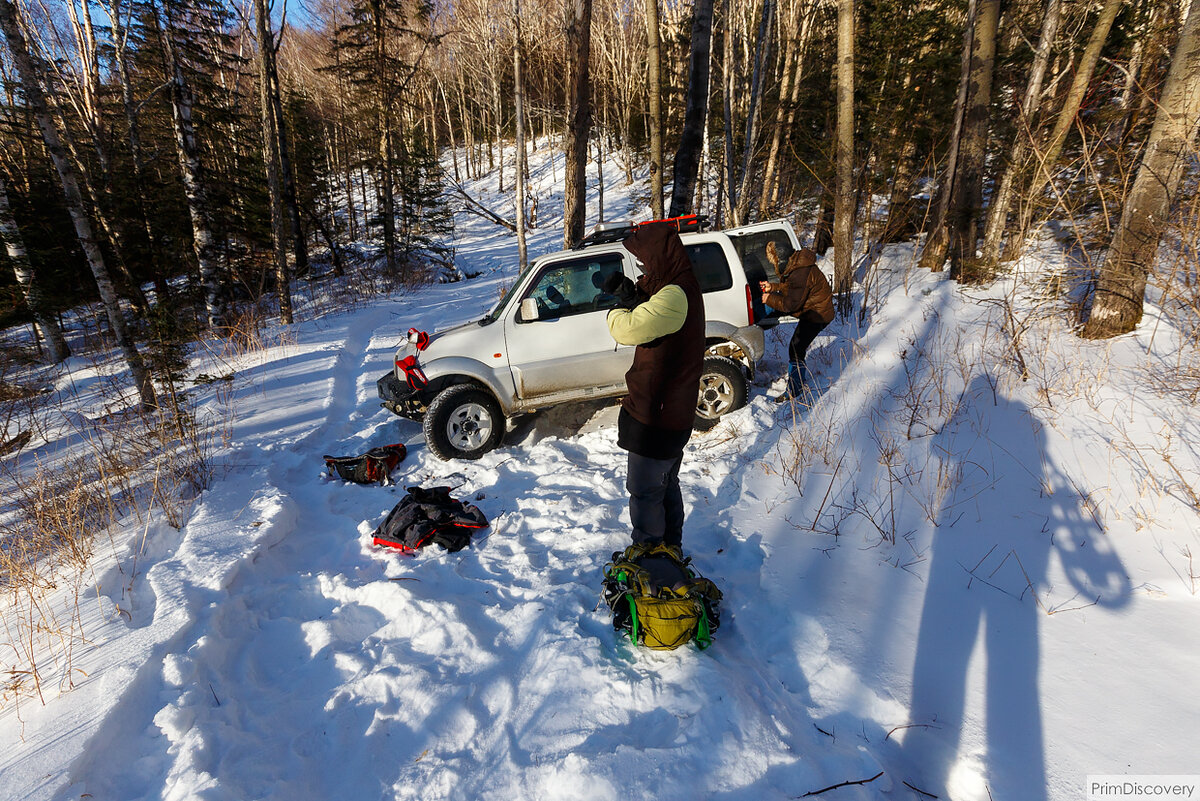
(399, 398)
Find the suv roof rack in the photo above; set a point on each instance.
(607, 232)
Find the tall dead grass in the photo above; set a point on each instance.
(61, 504)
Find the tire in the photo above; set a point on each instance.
(723, 389)
(463, 422)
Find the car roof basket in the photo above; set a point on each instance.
(607, 232)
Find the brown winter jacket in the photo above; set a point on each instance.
(804, 289)
(660, 408)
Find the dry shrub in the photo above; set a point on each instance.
(57, 511)
(1176, 279)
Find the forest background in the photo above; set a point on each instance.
(205, 149)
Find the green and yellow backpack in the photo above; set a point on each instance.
(658, 599)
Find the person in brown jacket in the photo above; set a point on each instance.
(664, 318)
(805, 294)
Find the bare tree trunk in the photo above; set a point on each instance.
(271, 157)
(74, 200)
(789, 95)
(1121, 289)
(385, 188)
(14, 246)
(691, 140)
(933, 254)
(966, 201)
(761, 57)
(727, 178)
(519, 102)
(450, 129)
(192, 172)
(1049, 154)
(498, 114)
(997, 218)
(579, 119)
(134, 141)
(654, 76)
(288, 176)
(844, 205)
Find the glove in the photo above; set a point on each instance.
(624, 290)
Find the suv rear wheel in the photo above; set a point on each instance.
(722, 390)
(463, 422)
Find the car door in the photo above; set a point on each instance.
(751, 242)
(566, 351)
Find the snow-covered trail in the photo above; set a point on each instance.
(486, 673)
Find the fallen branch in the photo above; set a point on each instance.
(928, 795)
(475, 207)
(910, 726)
(16, 443)
(843, 784)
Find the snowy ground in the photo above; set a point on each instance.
(978, 586)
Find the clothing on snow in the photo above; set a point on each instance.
(429, 515)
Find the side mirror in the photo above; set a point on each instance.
(529, 310)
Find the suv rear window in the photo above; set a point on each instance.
(752, 250)
(710, 266)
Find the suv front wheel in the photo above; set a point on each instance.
(463, 422)
(722, 390)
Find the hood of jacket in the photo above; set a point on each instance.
(801, 258)
(660, 250)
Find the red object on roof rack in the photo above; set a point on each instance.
(683, 224)
(604, 233)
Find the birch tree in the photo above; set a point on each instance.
(844, 206)
(191, 168)
(1121, 288)
(14, 247)
(761, 57)
(1047, 158)
(68, 176)
(1018, 151)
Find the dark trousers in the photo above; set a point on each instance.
(655, 501)
(807, 329)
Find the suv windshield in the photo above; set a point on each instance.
(509, 294)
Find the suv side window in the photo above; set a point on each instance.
(572, 287)
(710, 266)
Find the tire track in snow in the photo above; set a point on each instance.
(223, 622)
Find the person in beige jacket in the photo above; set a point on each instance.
(805, 294)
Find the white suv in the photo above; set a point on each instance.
(546, 342)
